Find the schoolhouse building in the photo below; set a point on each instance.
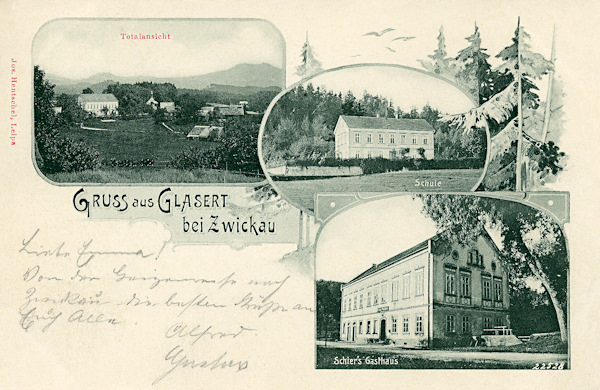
(99, 104)
(370, 137)
(437, 293)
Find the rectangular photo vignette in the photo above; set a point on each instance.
(472, 282)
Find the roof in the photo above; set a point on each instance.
(97, 97)
(369, 122)
(169, 106)
(411, 251)
(203, 131)
(232, 110)
(393, 260)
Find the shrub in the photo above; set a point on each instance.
(66, 155)
(380, 164)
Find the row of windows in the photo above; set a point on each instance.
(406, 325)
(465, 323)
(392, 139)
(379, 294)
(392, 154)
(96, 106)
(465, 285)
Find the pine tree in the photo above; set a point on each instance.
(516, 98)
(441, 64)
(475, 71)
(309, 64)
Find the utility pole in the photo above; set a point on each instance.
(519, 163)
(547, 111)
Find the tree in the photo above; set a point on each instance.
(329, 298)
(532, 244)
(475, 71)
(441, 64)
(87, 91)
(55, 153)
(513, 107)
(309, 64)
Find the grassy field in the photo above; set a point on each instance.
(135, 140)
(302, 192)
(153, 175)
(326, 358)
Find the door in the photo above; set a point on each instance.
(382, 335)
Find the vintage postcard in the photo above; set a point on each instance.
(282, 194)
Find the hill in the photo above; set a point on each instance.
(242, 75)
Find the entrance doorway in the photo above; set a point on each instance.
(382, 335)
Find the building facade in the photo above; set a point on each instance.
(434, 294)
(369, 137)
(99, 104)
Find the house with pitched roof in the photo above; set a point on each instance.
(436, 293)
(99, 104)
(370, 137)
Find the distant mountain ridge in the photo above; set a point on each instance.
(243, 75)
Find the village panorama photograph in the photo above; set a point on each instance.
(153, 101)
(371, 128)
(469, 283)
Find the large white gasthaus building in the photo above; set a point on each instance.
(370, 137)
(436, 293)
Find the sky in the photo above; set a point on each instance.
(406, 87)
(374, 231)
(77, 49)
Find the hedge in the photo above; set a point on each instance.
(380, 164)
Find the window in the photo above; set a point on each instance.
(450, 282)
(369, 138)
(392, 139)
(376, 296)
(403, 139)
(360, 327)
(369, 298)
(414, 140)
(368, 327)
(344, 329)
(360, 302)
(406, 286)
(345, 305)
(375, 327)
(498, 322)
(405, 324)
(369, 154)
(419, 324)
(394, 325)
(380, 138)
(395, 290)
(450, 324)
(357, 155)
(466, 324)
(465, 285)
(419, 282)
(487, 323)
(356, 138)
(381, 153)
(486, 290)
(424, 141)
(384, 292)
(354, 303)
(392, 154)
(498, 290)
